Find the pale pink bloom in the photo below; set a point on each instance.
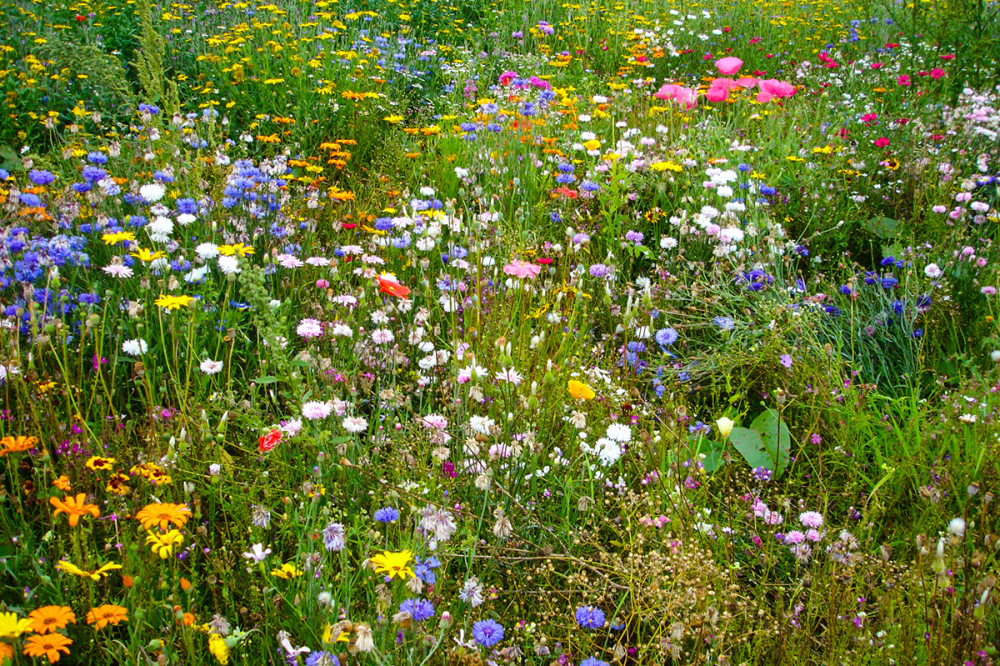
(522, 269)
(382, 336)
(355, 424)
(811, 519)
(210, 367)
(118, 270)
(728, 66)
(510, 375)
(434, 422)
(310, 328)
(315, 409)
(290, 261)
(771, 88)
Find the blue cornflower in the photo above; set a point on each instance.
(97, 158)
(322, 658)
(590, 617)
(387, 514)
(419, 609)
(889, 282)
(666, 336)
(593, 661)
(40, 177)
(487, 632)
(725, 323)
(424, 569)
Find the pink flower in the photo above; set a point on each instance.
(686, 97)
(904, 80)
(869, 118)
(937, 73)
(728, 66)
(948, 56)
(522, 269)
(771, 88)
(882, 142)
(719, 89)
(507, 77)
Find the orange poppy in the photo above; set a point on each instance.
(50, 618)
(74, 507)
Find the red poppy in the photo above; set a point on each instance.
(81, 18)
(349, 225)
(566, 192)
(393, 288)
(270, 440)
(544, 260)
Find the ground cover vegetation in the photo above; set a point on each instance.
(419, 332)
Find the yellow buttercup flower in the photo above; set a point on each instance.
(102, 572)
(118, 237)
(287, 571)
(163, 544)
(146, 255)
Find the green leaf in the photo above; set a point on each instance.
(776, 438)
(265, 380)
(885, 228)
(750, 445)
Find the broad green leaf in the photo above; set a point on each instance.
(777, 440)
(750, 445)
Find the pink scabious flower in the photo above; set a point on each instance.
(310, 328)
(728, 66)
(522, 269)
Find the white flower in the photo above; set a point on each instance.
(608, 451)
(196, 275)
(160, 229)
(957, 527)
(341, 331)
(620, 432)
(482, 425)
(257, 552)
(152, 192)
(314, 409)
(382, 336)
(355, 424)
(210, 367)
(933, 271)
(229, 265)
(136, 347)
(510, 375)
(207, 251)
(185, 219)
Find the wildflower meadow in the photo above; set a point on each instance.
(417, 332)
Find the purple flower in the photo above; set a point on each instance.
(599, 270)
(786, 360)
(333, 537)
(487, 633)
(419, 609)
(387, 515)
(590, 617)
(593, 661)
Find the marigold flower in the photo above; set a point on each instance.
(12, 626)
(51, 618)
(74, 507)
(163, 515)
(63, 484)
(107, 614)
(49, 646)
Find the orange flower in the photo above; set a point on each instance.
(48, 646)
(163, 515)
(50, 618)
(63, 484)
(6, 652)
(580, 391)
(16, 444)
(393, 288)
(107, 614)
(74, 507)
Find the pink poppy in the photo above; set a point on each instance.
(728, 66)
(771, 88)
(522, 269)
(668, 91)
(719, 89)
(507, 77)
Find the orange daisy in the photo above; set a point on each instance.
(107, 614)
(50, 618)
(74, 507)
(163, 515)
(48, 646)
(16, 444)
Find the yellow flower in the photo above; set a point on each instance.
(217, 646)
(74, 507)
(666, 166)
(118, 237)
(287, 571)
(164, 514)
(96, 462)
(146, 255)
(70, 568)
(394, 564)
(163, 544)
(238, 248)
(174, 302)
(593, 144)
(725, 425)
(580, 391)
(12, 626)
(394, 119)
